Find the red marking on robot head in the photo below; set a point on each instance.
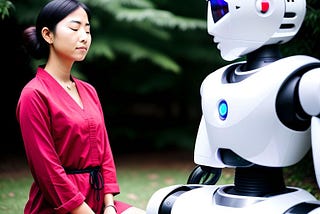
(264, 6)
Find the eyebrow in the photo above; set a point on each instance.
(78, 22)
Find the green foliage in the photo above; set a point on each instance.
(138, 51)
(5, 7)
(302, 175)
(312, 18)
(136, 28)
(306, 41)
(101, 48)
(160, 18)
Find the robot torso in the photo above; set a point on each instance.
(244, 117)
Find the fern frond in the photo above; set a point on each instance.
(5, 7)
(113, 5)
(100, 47)
(160, 18)
(136, 3)
(138, 51)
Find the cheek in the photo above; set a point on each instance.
(89, 41)
(65, 38)
(64, 44)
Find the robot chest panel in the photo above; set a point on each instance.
(226, 104)
(242, 115)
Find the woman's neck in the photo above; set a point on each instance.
(60, 71)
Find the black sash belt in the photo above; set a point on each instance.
(95, 178)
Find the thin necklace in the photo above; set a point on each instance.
(70, 85)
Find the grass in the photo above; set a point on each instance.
(14, 192)
(137, 186)
(139, 177)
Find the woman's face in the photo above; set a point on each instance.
(72, 38)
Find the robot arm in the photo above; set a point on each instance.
(309, 89)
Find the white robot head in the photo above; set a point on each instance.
(242, 26)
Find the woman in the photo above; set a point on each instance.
(62, 122)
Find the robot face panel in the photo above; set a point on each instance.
(242, 26)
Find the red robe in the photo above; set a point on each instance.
(59, 134)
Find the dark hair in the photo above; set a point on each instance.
(50, 15)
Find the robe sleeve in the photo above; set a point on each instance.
(44, 163)
(108, 166)
(109, 171)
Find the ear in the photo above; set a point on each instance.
(47, 35)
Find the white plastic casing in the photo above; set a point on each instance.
(309, 88)
(252, 128)
(245, 28)
(204, 200)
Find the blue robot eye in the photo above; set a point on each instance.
(219, 8)
(223, 109)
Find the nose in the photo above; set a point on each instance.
(84, 35)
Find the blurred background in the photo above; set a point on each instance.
(147, 61)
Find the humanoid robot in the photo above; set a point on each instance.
(259, 115)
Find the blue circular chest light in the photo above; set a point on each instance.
(223, 109)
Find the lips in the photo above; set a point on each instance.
(215, 40)
(82, 48)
